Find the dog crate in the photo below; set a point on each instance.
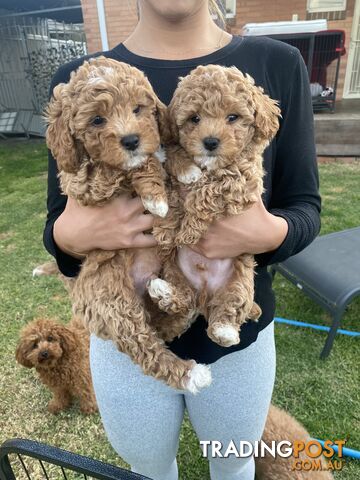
(29, 460)
(321, 52)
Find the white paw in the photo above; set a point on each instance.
(192, 175)
(200, 377)
(227, 334)
(134, 161)
(207, 161)
(160, 289)
(159, 208)
(37, 272)
(160, 154)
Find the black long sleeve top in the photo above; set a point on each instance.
(291, 180)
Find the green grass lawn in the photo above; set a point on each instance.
(324, 395)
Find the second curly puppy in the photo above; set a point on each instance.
(221, 123)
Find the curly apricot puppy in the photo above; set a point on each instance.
(60, 355)
(104, 131)
(222, 123)
(282, 426)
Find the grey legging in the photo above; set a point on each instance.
(142, 416)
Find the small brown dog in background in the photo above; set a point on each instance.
(282, 426)
(60, 355)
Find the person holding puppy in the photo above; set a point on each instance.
(142, 416)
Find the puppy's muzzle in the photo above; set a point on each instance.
(130, 142)
(44, 355)
(211, 143)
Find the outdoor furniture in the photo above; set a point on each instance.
(67, 465)
(328, 271)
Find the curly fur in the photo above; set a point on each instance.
(223, 182)
(60, 355)
(282, 426)
(110, 293)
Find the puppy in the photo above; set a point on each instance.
(104, 131)
(60, 355)
(222, 123)
(282, 426)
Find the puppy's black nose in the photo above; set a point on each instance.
(130, 142)
(211, 143)
(44, 354)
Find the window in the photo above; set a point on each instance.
(230, 8)
(326, 5)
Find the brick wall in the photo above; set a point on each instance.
(91, 25)
(254, 11)
(121, 18)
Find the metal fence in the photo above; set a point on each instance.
(31, 51)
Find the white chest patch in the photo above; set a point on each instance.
(160, 154)
(135, 161)
(205, 161)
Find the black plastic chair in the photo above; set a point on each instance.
(28, 453)
(328, 271)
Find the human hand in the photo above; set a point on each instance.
(118, 224)
(254, 231)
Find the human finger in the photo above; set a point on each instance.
(144, 241)
(136, 205)
(144, 222)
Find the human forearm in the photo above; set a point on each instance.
(118, 224)
(255, 231)
(63, 238)
(68, 265)
(68, 236)
(304, 223)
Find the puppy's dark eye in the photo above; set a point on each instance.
(35, 344)
(97, 121)
(137, 109)
(232, 117)
(195, 119)
(50, 338)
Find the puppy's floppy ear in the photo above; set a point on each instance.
(267, 113)
(67, 338)
(163, 121)
(20, 354)
(173, 128)
(66, 150)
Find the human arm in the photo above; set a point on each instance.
(72, 230)
(255, 231)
